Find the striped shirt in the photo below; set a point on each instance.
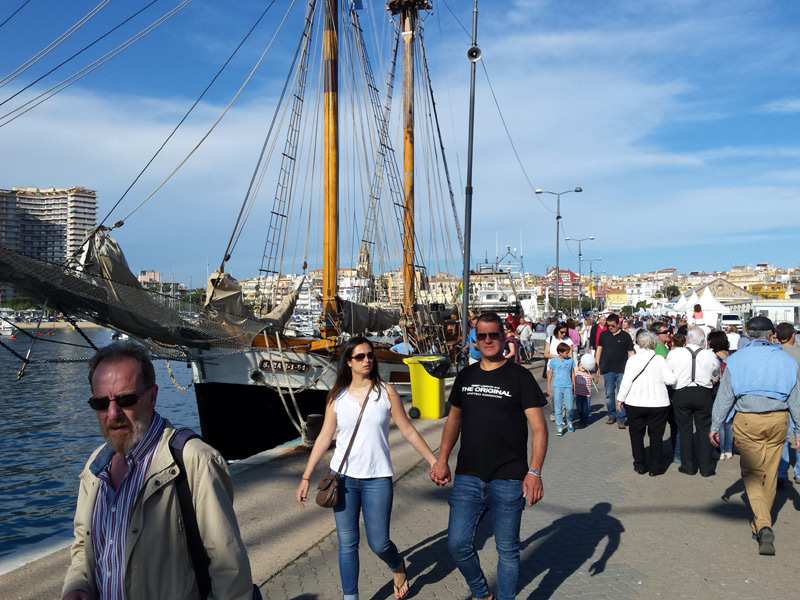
(112, 510)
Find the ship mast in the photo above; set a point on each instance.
(331, 168)
(407, 9)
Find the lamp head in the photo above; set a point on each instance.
(577, 189)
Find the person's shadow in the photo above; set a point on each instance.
(566, 545)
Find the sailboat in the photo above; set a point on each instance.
(257, 387)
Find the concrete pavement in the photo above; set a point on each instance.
(601, 531)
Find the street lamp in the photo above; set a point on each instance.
(558, 233)
(580, 258)
(591, 279)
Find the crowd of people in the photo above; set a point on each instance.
(155, 516)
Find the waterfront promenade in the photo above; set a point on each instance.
(601, 531)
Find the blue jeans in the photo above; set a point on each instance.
(562, 396)
(783, 466)
(726, 437)
(373, 497)
(582, 408)
(469, 499)
(613, 381)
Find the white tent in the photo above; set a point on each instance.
(712, 307)
(680, 304)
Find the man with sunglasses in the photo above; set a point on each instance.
(491, 405)
(663, 335)
(614, 346)
(130, 540)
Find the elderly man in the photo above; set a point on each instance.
(760, 384)
(130, 538)
(492, 403)
(696, 369)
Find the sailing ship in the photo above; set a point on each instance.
(260, 379)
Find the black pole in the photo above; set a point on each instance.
(474, 55)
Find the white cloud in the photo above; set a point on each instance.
(782, 106)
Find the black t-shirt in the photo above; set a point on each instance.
(494, 429)
(615, 351)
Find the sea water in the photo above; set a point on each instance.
(47, 431)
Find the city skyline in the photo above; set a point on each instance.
(677, 120)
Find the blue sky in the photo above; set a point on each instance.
(679, 120)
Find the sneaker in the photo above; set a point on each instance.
(559, 432)
(621, 424)
(610, 420)
(552, 416)
(727, 455)
(766, 539)
(570, 428)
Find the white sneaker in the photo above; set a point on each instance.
(729, 455)
(552, 416)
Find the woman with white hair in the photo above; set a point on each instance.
(696, 370)
(644, 393)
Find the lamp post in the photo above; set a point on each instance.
(558, 233)
(591, 279)
(580, 259)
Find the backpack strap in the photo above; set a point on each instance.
(197, 550)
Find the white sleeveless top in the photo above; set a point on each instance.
(369, 456)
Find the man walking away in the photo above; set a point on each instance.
(760, 384)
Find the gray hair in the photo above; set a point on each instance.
(696, 336)
(646, 340)
(125, 349)
(755, 334)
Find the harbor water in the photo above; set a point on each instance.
(47, 431)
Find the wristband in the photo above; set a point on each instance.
(305, 479)
(535, 472)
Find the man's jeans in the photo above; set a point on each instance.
(469, 499)
(373, 497)
(613, 381)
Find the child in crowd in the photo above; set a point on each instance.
(561, 385)
(583, 387)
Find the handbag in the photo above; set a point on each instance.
(547, 343)
(328, 486)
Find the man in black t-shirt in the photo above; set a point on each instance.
(613, 349)
(491, 405)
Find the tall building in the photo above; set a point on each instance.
(48, 224)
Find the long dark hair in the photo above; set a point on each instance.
(344, 374)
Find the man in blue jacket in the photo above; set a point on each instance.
(760, 384)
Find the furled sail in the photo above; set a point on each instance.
(358, 318)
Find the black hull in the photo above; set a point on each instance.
(243, 420)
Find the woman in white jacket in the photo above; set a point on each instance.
(644, 393)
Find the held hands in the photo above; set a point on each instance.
(440, 472)
(713, 437)
(302, 493)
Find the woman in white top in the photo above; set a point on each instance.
(365, 483)
(644, 392)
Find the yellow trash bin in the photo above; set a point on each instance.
(427, 391)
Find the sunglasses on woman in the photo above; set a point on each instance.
(361, 356)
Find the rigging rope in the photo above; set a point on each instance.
(54, 44)
(64, 84)
(24, 4)
(81, 51)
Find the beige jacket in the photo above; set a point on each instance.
(157, 561)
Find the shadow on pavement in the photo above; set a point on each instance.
(566, 545)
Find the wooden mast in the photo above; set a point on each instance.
(331, 168)
(407, 9)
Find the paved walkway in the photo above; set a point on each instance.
(601, 531)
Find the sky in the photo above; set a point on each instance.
(678, 119)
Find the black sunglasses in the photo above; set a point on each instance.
(492, 335)
(124, 401)
(361, 356)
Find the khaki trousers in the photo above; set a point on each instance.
(760, 437)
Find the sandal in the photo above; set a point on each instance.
(398, 589)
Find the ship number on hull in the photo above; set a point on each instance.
(293, 367)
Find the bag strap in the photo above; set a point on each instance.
(355, 431)
(197, 551)
(644, 369)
